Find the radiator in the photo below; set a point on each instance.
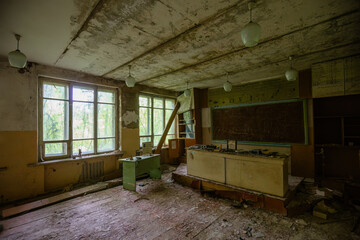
(92, 171)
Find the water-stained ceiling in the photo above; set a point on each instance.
(171, 42)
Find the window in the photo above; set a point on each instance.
(76, 117)
(154, 113)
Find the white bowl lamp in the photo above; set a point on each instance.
(250, 34)
(130, 80)
(187, 92)
(16, 58)
(291, 74)
(227, 86)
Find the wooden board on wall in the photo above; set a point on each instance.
(277, 122)
(352, 75)
(328, 79)
(255, 92)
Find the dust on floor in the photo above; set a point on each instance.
(162, 209)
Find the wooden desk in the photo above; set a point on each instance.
(259, 173)
(140, 165)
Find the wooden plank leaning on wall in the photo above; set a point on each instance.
(168, 125)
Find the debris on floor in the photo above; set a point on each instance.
(171, 211)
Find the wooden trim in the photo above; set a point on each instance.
(96, 120)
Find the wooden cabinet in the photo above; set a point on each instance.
(337, 137)
(189, 128)
(187, 124)
(264, 174)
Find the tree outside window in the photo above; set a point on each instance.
(154, 114)
(76, 118)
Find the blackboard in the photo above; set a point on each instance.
(275, 123)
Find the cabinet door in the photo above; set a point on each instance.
(206, 165)
(174, 148)
(233, 171)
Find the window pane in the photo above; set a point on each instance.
(158, 103)
(169, 103)
(107, 144)
(144, 101)
(55, 149)
(86, 146)
(144, 139)
(145, 121)
(83, 94)
(156, 140)
(106, 120)
(158, 121)
(167, 117)
(83, 120)
(54, 90)
(55, 114)
(106, 96)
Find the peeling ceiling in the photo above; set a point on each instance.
(171, 42)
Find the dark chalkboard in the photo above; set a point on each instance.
(277, 122)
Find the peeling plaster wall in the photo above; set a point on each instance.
(130, 141)
(130, 118)
(18, 99)
(18, 135)
(129, 108)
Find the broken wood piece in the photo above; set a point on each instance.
(318, 213)
(325, 208)
(140, 198)
(51, 200)
(338, 220)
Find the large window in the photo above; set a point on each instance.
(76, 118)
(155, 112)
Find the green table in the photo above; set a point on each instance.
(138, 166)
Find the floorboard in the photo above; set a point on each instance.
(162, 209)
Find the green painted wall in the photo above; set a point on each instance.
(271, 90)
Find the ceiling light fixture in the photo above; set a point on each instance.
(187, 91)
(291, 74)
(250, 34)
(227, 86)
(16, 58)
(130, 80)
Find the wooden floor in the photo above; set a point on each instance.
(163, 209)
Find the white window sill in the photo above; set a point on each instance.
(83, 158)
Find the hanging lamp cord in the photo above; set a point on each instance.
(250, 14)
(17, 36)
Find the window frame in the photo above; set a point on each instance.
(69, 118)
(152, 135)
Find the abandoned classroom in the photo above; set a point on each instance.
(192, 119)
